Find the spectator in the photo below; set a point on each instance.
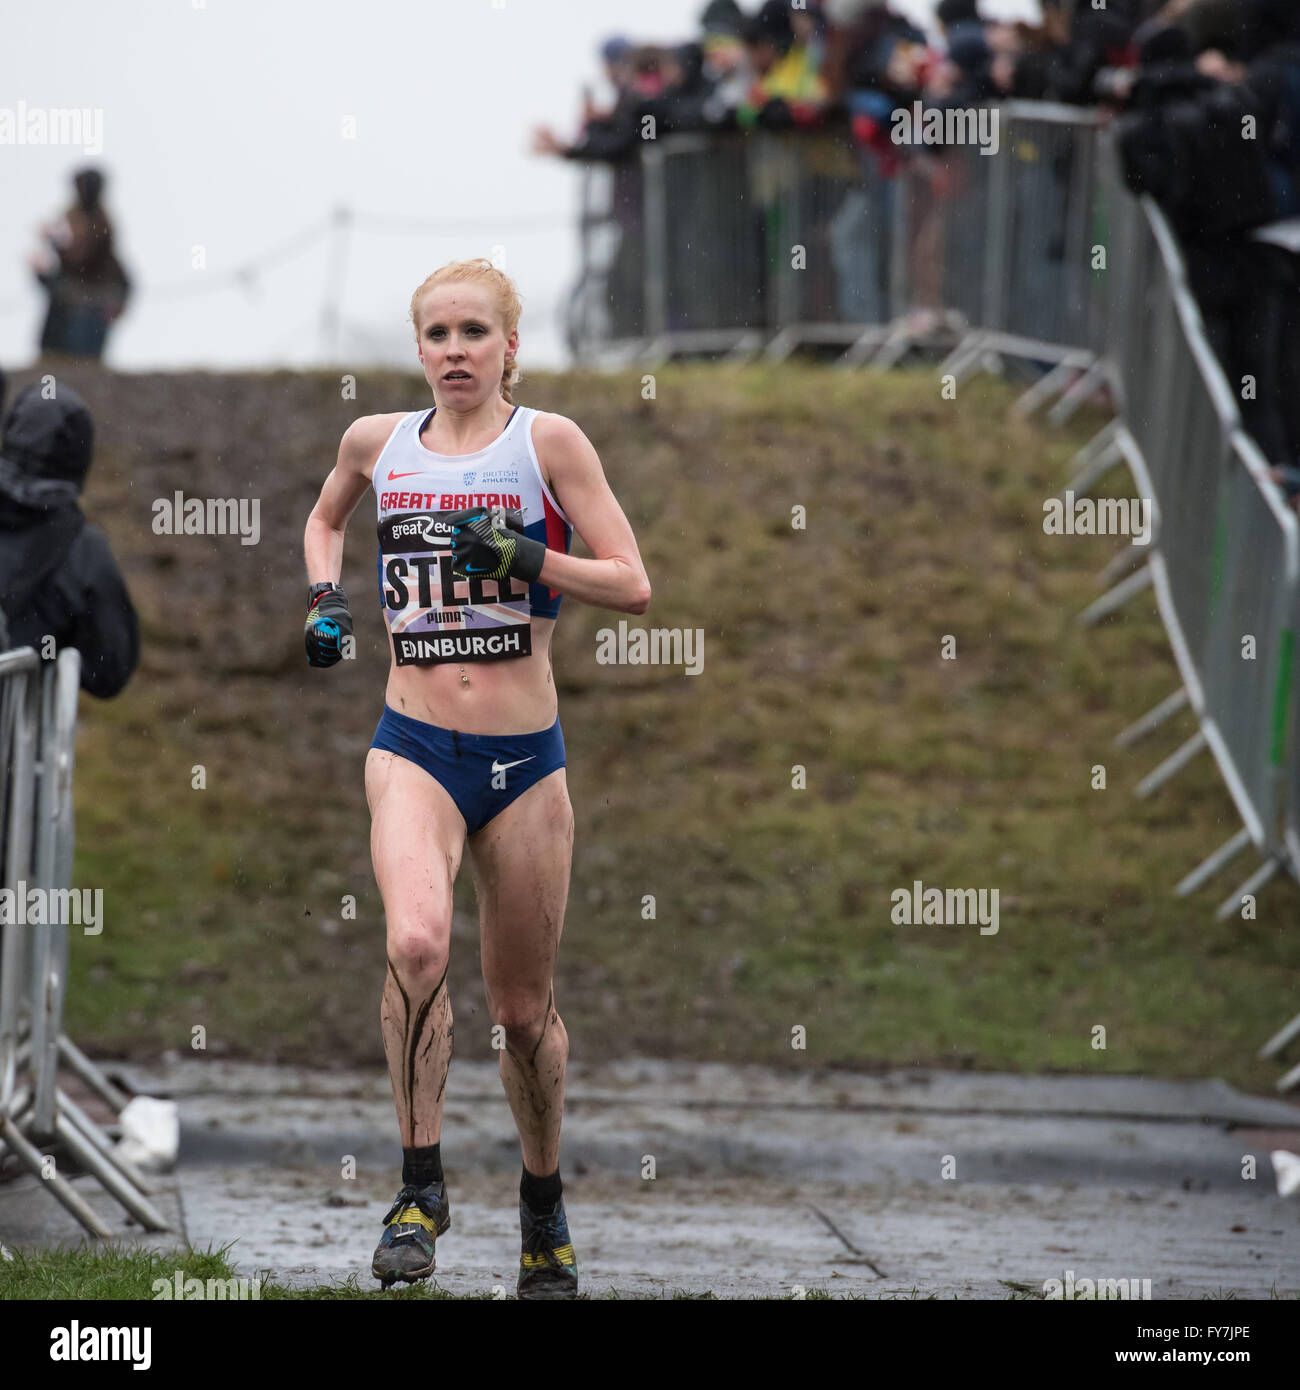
(86, 283)
(650, 79)
(58, 577)
(729, 74)
(689, 99)
(1066, 68)
(788, 88)
(1181, 143)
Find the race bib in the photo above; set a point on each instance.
(435, 616)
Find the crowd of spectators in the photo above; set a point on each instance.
(1177, 77)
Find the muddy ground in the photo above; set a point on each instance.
(764, 1184)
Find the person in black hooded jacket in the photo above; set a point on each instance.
(58, 577)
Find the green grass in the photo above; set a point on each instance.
(131, 1273)
(822, 649)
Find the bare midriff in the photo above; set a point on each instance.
(515, 696)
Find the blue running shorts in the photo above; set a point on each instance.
(482, 773)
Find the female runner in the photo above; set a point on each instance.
(477, 501)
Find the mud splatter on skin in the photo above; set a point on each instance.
(532, 1088)
(533, 1079)
(405, 1054)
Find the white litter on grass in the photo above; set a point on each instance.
(1287, 1167)
(151, 1133)
(6, 1253)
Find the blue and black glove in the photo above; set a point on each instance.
(492, 545)
(328, 623)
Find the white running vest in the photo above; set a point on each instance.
(433, 616)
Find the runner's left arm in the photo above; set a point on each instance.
(615, 578)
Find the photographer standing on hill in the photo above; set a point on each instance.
(87, 286)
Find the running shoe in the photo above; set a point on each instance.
(548, 1267)
(411, 1229)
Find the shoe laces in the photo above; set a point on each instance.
(549, 1229)
(412, 1196)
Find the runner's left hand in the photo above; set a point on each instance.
(489, 545)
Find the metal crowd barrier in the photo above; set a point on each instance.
(1224, 563)
(741, 244)
(1037, 253)
(38, 716)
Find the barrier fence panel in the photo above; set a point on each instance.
(1293, 780)
(702, 240)
(861, 238)
(1248, 655)
(1049, 153)
(817, 236)
(1133, 286)
(942, 234)
(1190, 481)
(968, 230)
(20, 679)
(54, 837)
(38, 716)
(607, 305)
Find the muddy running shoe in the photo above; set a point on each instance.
(411, 1228)
(548, 1267)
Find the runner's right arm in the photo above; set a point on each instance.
(329, 620)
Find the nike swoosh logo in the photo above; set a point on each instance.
(501, 767)
(393, 477)
(478, 569)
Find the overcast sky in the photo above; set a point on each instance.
(224, 126)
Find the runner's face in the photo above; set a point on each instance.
(461, 332)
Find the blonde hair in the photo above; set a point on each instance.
(499, 286)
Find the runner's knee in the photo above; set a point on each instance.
(418, 955)
(525, 1022)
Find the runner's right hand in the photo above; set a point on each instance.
(328, 622)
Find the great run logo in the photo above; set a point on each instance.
(179, 515)
(426, 528)
(53, 125)
(655, 646)
(953, 125)
(1106, 516)
(945, 907)
(63, 907)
